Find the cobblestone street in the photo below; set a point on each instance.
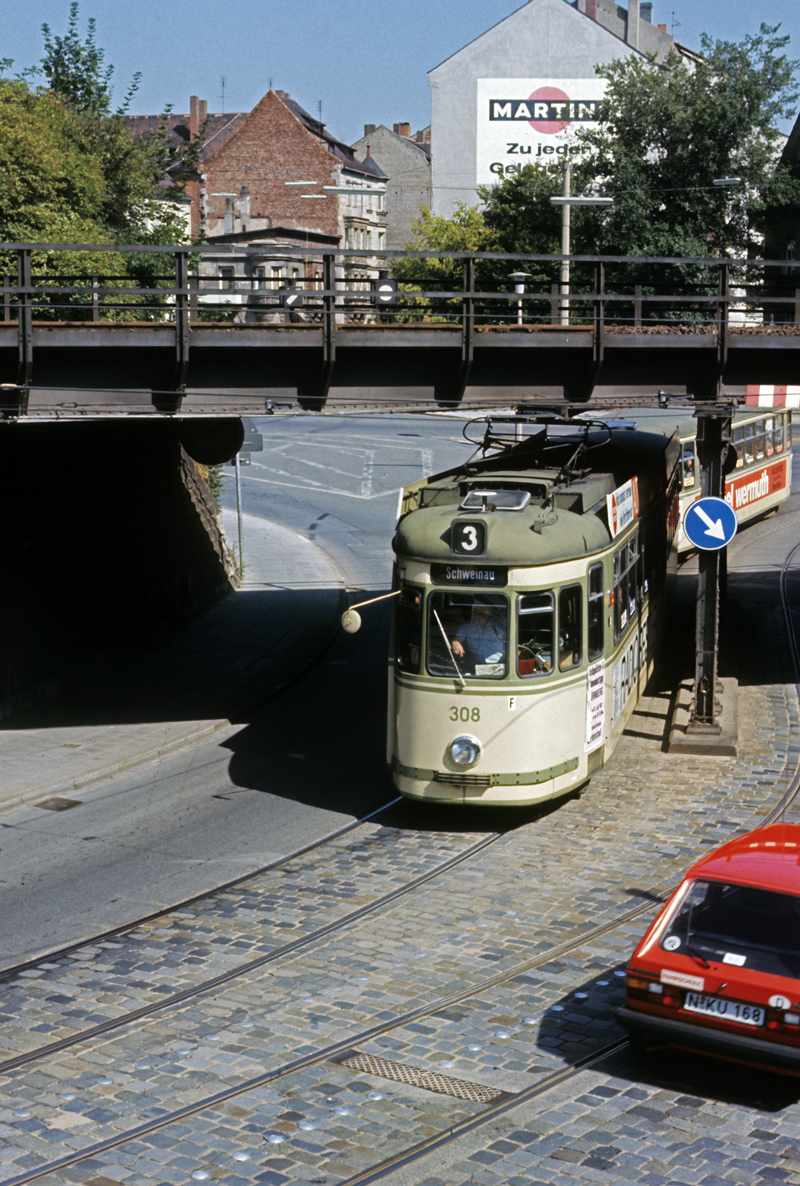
(330, 1042)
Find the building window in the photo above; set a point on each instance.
(277, 277)
(260, 277)
(790, 253)
(227, 279)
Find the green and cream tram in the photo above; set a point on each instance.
(530, 610)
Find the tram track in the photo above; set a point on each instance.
(330, 1052)
(333, 1051)
(185, 903)
(202, 988)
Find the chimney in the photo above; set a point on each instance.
(194, 117)
(663, 28)
(403, 130)
(591, 9)
(632, 28)
(369, 129)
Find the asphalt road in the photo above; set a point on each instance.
(336, 480)
(307, 763)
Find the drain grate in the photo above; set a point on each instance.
(58, 804)
(400, 1072)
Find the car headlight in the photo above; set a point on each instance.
(464, 751)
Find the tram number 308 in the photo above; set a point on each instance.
(464, 714)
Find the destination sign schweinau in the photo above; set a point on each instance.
(709, 524)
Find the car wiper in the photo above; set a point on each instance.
(449, 649)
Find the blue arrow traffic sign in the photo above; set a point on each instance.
(709, 524)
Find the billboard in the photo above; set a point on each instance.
(522, 121)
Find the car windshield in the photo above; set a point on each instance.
(738, 925)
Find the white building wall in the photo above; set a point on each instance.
(544, 41)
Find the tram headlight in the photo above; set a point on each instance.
(464, 751)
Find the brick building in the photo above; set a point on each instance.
(276, 178)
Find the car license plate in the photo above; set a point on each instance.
(697, 1002)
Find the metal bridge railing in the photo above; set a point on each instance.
(230, 285)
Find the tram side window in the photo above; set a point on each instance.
(595, 615)
(778, 434)
(570, 630)
(749, 443)
(738, 444)
(688, 465)
(770, 426)
(409, 629)
(468, 632)
(535, 630)
(625, 561)
(761, 440)
(788, 430)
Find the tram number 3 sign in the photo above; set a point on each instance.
(469, 539)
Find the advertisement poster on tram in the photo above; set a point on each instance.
(524, 121)
(743, 492)
(595, 704)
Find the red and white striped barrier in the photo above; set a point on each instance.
(765, 395)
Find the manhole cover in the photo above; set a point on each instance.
(400, 1072)
(57, 804)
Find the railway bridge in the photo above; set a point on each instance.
(168, 334)
(117, 362)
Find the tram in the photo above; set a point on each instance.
(762, 477)
(530, 608)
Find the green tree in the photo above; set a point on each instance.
(71, 171)
(668, 129)
(74, 68)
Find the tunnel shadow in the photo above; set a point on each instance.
(216, 667)
(584, 1020)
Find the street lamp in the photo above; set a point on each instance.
(565, 201)
(519, 279)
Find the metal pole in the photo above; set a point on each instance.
(565, 237)
(713, 433)
(239, 515)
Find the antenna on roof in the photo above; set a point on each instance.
(222, 96)
(319, 109)
(675, 24)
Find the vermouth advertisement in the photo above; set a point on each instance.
(523, 120)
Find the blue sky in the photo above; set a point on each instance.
(366, 61)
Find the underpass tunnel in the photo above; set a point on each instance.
(109, 533)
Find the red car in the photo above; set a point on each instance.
(719, 969)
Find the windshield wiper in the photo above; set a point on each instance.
(449, 649)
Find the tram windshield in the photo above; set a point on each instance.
(468, 634)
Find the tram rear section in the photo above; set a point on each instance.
(530, 610)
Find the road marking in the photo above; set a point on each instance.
(318, 488)
(366, 477)
(427, 462)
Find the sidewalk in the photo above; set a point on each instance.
(243, 650)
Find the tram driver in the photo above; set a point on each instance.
(482, 639)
